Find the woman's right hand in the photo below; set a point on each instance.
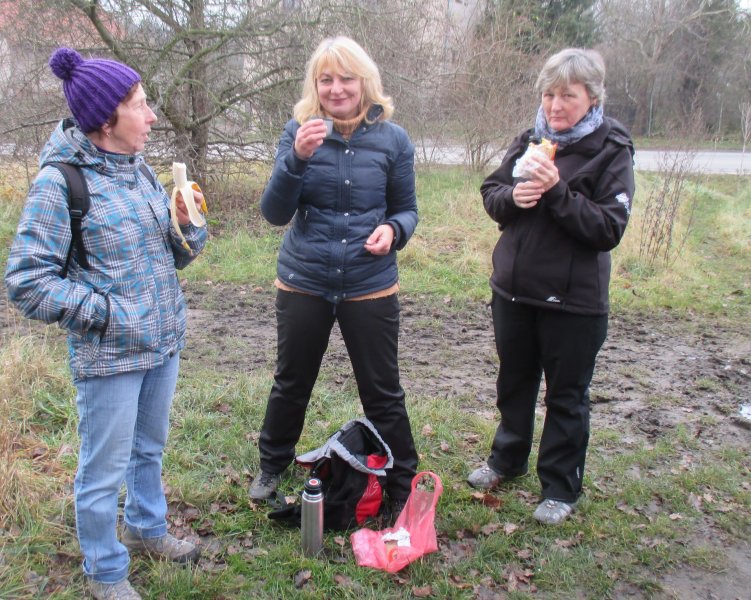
(526, 194)
(309, 136)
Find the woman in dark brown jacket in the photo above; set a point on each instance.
(559, 217)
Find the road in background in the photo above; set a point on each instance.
(733, 163)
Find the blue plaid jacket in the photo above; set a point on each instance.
(127, 311)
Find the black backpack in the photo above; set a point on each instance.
(78, 206)
(352, 468)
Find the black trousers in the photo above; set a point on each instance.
(370, 329)
(532, 341)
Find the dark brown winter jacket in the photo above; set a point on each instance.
(557, 254)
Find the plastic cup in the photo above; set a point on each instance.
(329, 126)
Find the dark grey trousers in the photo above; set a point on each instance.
(370, 329)
(531, 341)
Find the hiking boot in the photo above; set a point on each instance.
(264, 485)
(121, 590)
(167, 546)
(553, 512)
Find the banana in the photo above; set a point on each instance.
(185, 188)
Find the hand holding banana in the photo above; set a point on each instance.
(188, 204)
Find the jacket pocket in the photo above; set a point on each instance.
(133, 325)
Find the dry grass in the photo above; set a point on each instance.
(26, 371)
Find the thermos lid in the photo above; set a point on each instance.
(313, 485)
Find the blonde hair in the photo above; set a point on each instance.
(575, 65)
(344, 55)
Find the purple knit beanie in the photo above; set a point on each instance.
(94, 87)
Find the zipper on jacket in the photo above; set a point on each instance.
(107, 317)
(520, 239)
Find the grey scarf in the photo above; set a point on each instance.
(589, 123)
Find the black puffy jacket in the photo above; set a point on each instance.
(557, 254)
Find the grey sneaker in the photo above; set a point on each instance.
(264, 485)
(167, 546)
(553, 512)
(484, 478)
(121, 590)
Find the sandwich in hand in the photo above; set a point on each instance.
(525, 166)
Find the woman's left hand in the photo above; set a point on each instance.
(546, 173)
(379, 242)
(182, 211)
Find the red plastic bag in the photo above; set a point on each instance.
(412, 536)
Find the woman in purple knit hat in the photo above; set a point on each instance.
(119, 299)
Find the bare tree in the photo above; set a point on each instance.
(745, 110)
(407, 40)
(668, 211)
(224, 75)
(204, 62)
(666, 56)
(490, 98)
(30, 95)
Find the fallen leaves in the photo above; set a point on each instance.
(422, 592)
(507, 528)
(487, 499)
(519, 579)
(490, 528)
(342, 580)
(302, 578)
(570, 542)
(524, 554)
(456, 551)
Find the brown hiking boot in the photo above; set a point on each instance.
(167, 546)
(121, 590)
(264, 485)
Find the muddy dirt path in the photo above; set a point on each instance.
(703, 366)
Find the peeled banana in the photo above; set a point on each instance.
(185, 188)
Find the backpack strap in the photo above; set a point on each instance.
(146, 173)
(78, 206)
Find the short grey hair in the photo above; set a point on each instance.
(574, 65)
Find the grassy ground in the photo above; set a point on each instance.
(647, 499)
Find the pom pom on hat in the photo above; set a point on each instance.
(64, 61)
(93, 87)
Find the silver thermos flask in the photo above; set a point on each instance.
(312, 517)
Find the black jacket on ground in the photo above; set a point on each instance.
(557, 254)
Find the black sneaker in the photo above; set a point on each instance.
(264, 485)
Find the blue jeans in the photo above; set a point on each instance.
(123, 424)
